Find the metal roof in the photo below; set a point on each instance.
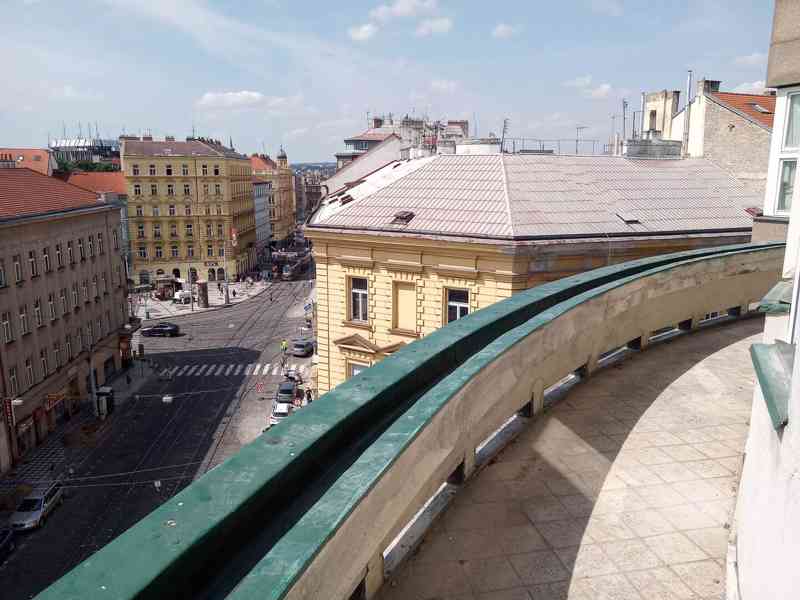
(543, 196)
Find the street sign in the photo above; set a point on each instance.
(308, 307)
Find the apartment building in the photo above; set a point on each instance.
(421, 243)
(262, 196)
(63, 304)
(283, 206)
(190, 209)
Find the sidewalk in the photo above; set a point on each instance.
(71, 442)
(161, 309)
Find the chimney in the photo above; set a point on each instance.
(169, 138)
(147, 138)
(706, 86)
(377, 122)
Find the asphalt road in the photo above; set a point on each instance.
(151, 449)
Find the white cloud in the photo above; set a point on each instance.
(611, 8)
(428, 27)
(69, 92)
(756, 59)
(579, 82)
(249, 100)
(296, 133)
(443, 86)
(753, 87)
(220, 100)
(402, 8)
(504, 31)
(601, 91)
(361, 33)
(584, 85)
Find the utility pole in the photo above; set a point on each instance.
(624, 118)
(578, 130)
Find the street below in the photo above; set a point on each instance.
(221, 373)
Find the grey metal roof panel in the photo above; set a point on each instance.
(541, 196)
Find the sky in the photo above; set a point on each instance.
(305, 75)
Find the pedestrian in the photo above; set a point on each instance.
(234, 293)
(284, 346)
(270, 295)
(309, 395)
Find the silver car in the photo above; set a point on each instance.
(32, 512)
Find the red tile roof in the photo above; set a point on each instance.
(257, 180)
(26, 193)
(262, 162)
(31, 158)
(746, 104)
(191, 147)
(99, 181)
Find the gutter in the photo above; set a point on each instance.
(532, 238)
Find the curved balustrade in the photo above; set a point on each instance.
(309, 508)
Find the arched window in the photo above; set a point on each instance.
(212, 276)
(221, 274)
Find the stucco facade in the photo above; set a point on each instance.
(191, 211)
(63, 303)
(282, 205)
(415, 285)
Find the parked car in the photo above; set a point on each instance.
(280, 411)
(302, 347)
(161, 329)
(6, 542)
(32, 512)
(287, 392)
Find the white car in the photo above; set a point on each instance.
(280, 412)
(32, 512)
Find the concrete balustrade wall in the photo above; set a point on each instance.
(513, 370)
(376, 448)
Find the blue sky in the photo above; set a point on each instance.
(304, 74)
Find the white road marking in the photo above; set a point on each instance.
(266, 369)
(200, 372)
(238, 369)
(183, 369)
(173, 370)
(192, 370)
(257, 369)
(164, 372)
(220, 370)
(230, 368)
(247, 369)
(276, 369)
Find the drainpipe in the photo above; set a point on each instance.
(686, 111)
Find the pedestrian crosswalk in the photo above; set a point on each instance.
(231, 370)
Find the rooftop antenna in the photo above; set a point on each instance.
(475, 118)
(230, 140)
(368, 113)
(193, 132)
(64, 129)
(578, 130)
(80, 130)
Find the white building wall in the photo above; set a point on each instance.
(765, 542)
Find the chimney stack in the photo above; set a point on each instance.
(707, 86)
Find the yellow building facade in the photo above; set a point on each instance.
(190, 210)
(282, 202)
(419, 244)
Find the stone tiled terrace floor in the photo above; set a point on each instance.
(621, 491)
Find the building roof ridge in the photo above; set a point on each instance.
(506, 195)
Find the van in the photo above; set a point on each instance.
(182, 297)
